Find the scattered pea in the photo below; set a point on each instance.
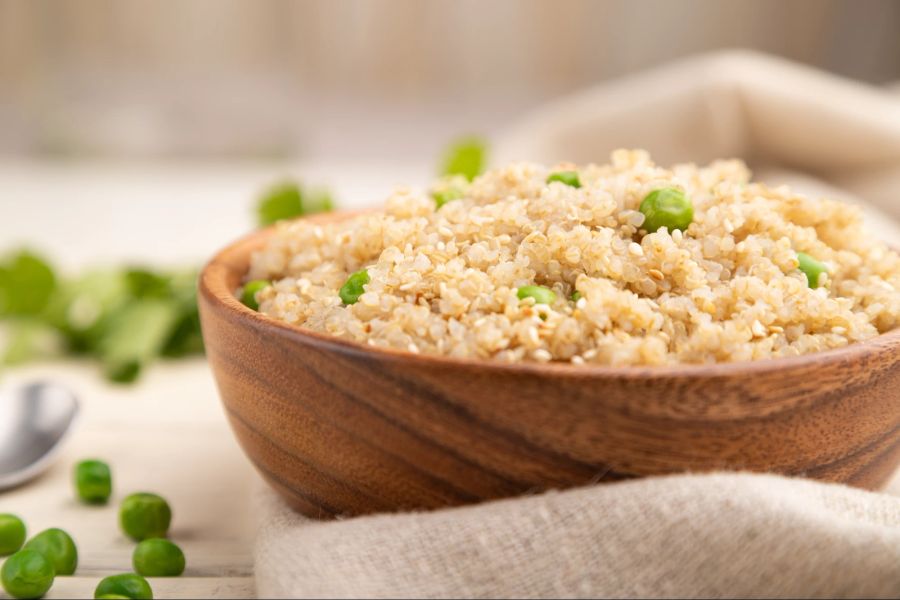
(144, 516)
(93, 481)
(113, 597)
(541, 294)
(12, 534)
(667, 207)
(248, 294)
(811, 268)
(124, 585)
(353, 288)
(442, 197)
(158, 558)
(27, 574)
(58, 547)
(569, 178)
(576, 296)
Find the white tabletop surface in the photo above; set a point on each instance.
(166, 434)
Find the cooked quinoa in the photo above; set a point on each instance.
(444, 280)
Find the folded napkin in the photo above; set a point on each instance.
(716, 535)
(725, 535)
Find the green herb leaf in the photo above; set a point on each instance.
(186, 337)
(27, 283)
(82, 307)
(125, 317)
(135, 335)
(144, 283)
(29, 339)
(466, 157)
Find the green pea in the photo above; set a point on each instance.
(569, 178)
(144, 516)
(248, 294)
(93, 481)
(113, 597)
(442, 197)
(811, 268)
(576, 296)
(541, 294)
(12, 534)
(667, 207)
(58, 547)
(124, 585)
(353, 288)
(27, 574)
(158, 558)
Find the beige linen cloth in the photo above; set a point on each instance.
(716, 535)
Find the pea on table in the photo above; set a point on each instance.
(58, 547)
(27, 574)
(12, 534)
(124, 585)
(143, 516)
(157, 557)
(93, 481)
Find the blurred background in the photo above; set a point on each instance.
(347, 79)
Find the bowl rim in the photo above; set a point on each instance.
(214, 289)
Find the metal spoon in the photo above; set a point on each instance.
(34, 420)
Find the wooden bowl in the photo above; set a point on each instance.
(343, 429)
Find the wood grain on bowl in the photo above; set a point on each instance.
(342, 429)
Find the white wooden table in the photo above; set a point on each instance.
(167, 434)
